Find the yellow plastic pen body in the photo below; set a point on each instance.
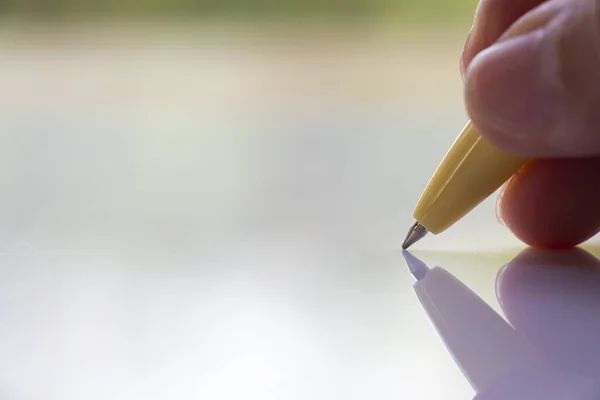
(472, 170)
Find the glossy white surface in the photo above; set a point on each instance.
(227, 243)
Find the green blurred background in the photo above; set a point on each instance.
(358, 10)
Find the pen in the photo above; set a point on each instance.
(470, 172)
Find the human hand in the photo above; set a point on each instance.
(532, 86)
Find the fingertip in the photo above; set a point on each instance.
(492, 18)
(511, 87)
(553, 204)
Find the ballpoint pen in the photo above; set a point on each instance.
(472, 170)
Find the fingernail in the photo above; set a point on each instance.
(514, 85)
(500, 198)
(498, 210)
(463, 67)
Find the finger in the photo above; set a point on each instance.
(492, 18)
(554, 203)
(537, 94)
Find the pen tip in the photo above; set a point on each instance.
(415, 233)
(417, 268)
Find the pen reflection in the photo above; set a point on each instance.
(552, 300)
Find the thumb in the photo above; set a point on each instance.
(536, 92)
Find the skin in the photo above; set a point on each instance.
(532, 87)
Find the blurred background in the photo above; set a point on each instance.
(206, 198)
(186, 120)
(251, 11)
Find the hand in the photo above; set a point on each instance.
(532, 86)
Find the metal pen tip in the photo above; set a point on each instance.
(417, 268)
(415, 233)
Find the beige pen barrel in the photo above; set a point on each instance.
(472, 170)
